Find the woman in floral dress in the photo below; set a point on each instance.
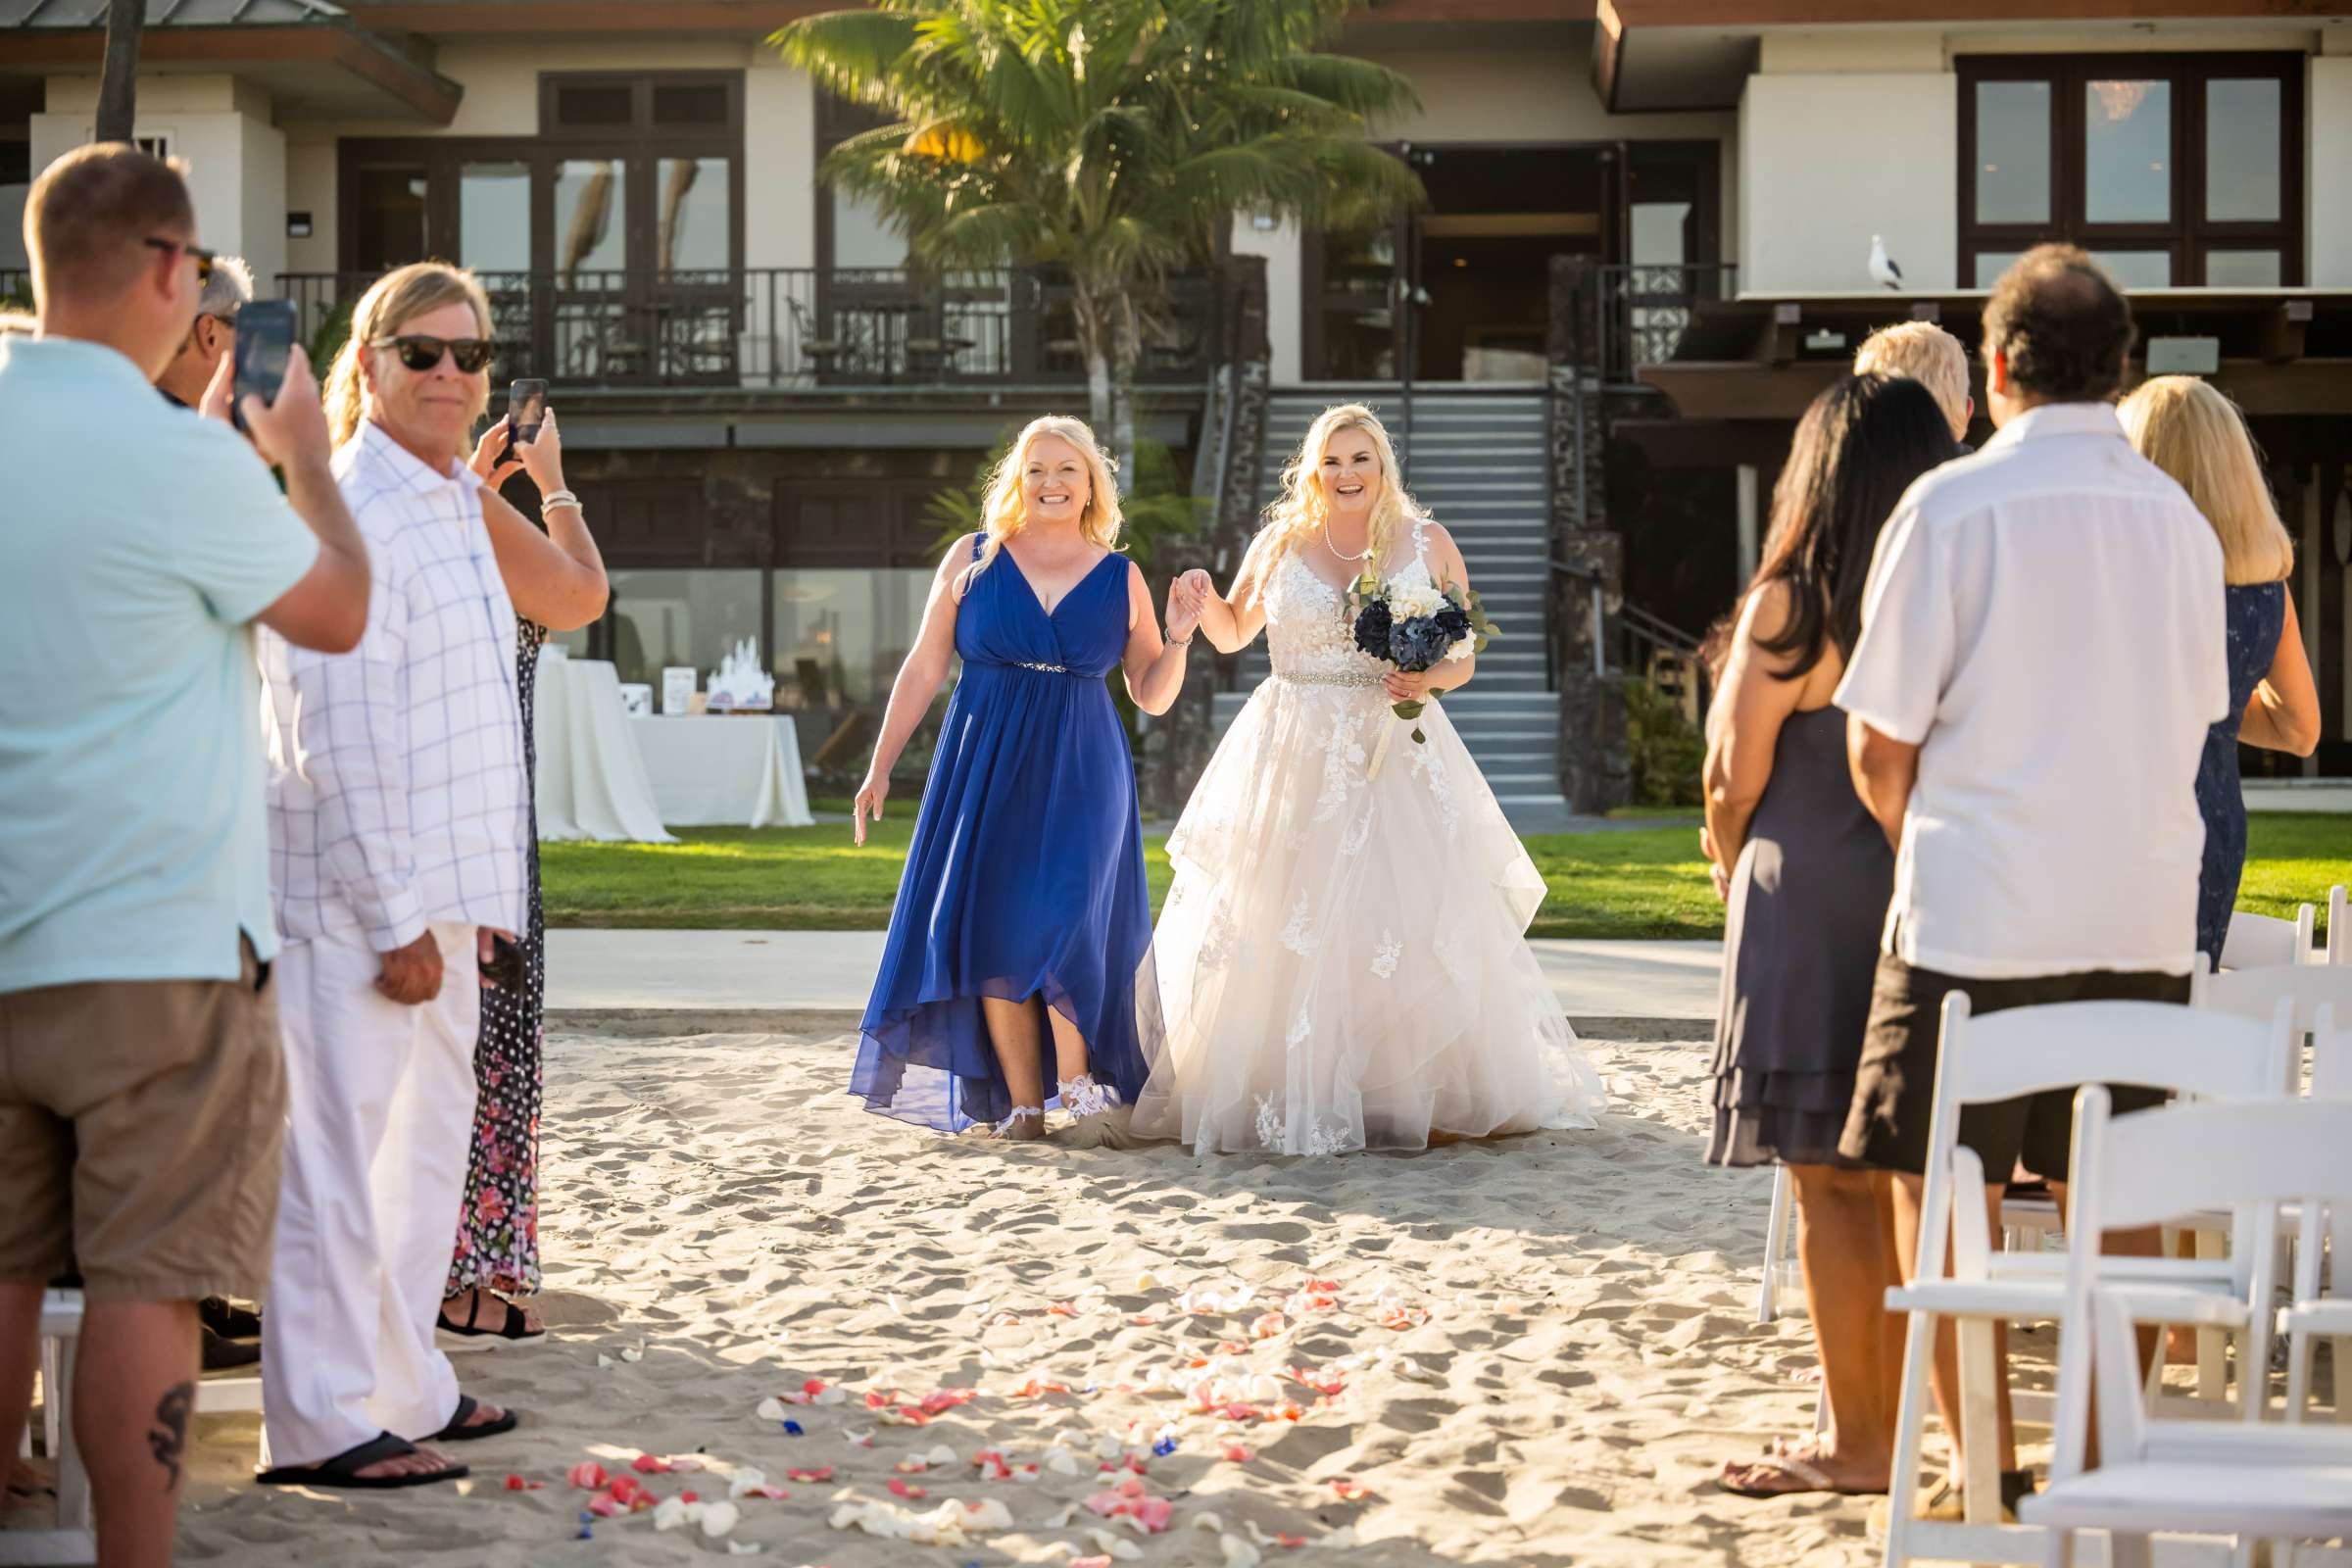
(557, 580)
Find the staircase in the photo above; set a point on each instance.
(1475, 462)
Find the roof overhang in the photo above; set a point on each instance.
(311, 58)
(2280, 352)
(450, 18)
(1657, 55)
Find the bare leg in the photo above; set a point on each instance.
(1841, 1251)
(1070, 1046)
(1946, 1376)
(1893, 1326)
(134, 1394)
(1017, 1033)
(19, 1357)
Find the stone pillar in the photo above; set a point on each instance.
(1595, 767)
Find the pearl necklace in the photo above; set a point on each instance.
(1364, 555)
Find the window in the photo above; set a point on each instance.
(2174, 170)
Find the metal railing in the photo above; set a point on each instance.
(1642, 312)
(799, 327)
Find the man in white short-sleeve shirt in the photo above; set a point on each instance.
(2042, 654)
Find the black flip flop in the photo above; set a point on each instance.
(459, 1432)
(343, 1470)
(512, 1329)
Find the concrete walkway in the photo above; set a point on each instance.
(808, 981)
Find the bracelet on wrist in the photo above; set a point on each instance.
(558, 498)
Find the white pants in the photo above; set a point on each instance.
(381, 1102)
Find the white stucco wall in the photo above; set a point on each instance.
(2328, 111)
(1827, 159)
(779, 170)
(1281, 247)
(220, 128)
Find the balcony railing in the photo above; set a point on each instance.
(805, 327)
(1644, 309)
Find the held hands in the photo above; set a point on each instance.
(412, 975)
(1188, 596)
(870, 795)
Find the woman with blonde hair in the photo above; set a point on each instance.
(1342, 955)
(1023, 910)
(2196, 434)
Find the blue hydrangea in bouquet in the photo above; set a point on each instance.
(1417, 625)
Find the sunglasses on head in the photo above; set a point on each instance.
(423, 353)
(202, 258)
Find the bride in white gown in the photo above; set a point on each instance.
(1342, 957)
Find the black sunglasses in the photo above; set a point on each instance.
(421, 354)
(202, 258)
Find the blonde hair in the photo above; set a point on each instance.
(1003, 513)
(1301, 508)
(391, 303)
(2194, 433)
(1927, 353)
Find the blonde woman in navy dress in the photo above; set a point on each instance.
(1023, 910)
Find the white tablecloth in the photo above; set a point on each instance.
(592, 782)
(725, 770)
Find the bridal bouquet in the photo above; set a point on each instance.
(1417, 626)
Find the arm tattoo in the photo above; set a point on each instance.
(170, 1439)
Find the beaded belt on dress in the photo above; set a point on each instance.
(1051, 669)
(1351, 677)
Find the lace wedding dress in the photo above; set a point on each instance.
(1342, 957)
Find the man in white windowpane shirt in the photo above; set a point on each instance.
(2042, 654)
(399, 823)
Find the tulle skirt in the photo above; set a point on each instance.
(1342, 957)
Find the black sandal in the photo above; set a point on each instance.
(515, 1328)
(343, 1470)
(459, 1432)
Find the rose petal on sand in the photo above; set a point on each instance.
(814, 1478)
(632, 1354)
(719, 1518)
(1238, 1454)
(587, 1475)
(1348, 1489)
(771, 1408)
(1267, 1326)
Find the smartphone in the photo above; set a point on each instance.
(504, 968)
(527, 410)
(265, 347)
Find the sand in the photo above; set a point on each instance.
(1542, 1348)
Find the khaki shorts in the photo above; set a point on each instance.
(140, 1128)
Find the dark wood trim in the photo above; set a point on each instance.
(1746, 16)
(556, 18)
(2187, 234)
(434, 99)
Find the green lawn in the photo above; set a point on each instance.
(1647, 882)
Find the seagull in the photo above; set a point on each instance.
(1882, 267)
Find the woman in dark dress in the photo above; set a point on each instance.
(1807, 873)
(1023, 913)
(557, 580)
(2194, 433)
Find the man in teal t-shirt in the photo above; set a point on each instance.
(142, 1092)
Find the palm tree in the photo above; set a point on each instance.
(118, 76)
(1113, 138)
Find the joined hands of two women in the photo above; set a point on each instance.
(1188, 595)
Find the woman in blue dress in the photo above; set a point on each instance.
(1023, 910)
(2196, 433)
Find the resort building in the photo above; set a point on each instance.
(1646, 246)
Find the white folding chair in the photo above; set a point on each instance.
(2264, 941)
(1780, 1249)
(2243, 1479)
(2325, 1232)
(2339, 939)
(2020, 1052)
(74, 1537)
